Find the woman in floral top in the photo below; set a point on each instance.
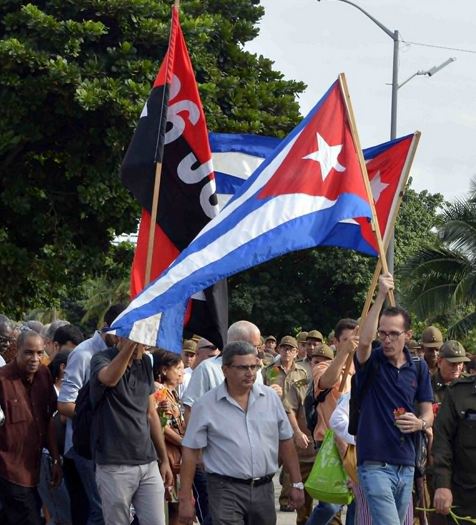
(168, 374)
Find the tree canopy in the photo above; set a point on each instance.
(74, 77)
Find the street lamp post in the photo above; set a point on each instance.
(395, 36)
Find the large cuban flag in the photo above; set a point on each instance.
(312, 181)
(236, 156)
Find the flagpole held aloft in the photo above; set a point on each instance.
(355, 137)
(153, 221)
(160, 146)
(393, 217)
(375, 224)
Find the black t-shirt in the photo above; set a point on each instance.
(121, 431)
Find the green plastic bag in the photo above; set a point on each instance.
(328, 479)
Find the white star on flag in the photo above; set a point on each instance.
(377, 186)
(326, 155)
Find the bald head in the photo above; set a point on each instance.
(244, 331)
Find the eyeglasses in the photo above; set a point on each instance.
(245, 368)
(393, 336)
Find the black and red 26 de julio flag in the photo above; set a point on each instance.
(172, 129)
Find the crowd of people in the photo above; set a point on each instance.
(104, 430)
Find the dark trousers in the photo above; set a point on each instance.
(20, 505)
(200, 493)
(77, 495)
(234, 503)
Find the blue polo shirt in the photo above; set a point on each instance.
(378, 438)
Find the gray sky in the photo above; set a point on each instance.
(315, 41)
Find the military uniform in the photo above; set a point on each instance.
(439, 387)
(306, 364)
(293, 401)
(275, 374)
(454, 446)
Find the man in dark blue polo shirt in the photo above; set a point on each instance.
(397, 403)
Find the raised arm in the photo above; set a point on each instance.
(369, 325)
(111, 374)
(333, 373)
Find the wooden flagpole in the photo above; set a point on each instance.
(355, 137)
(155, 196)
(153, 221)
(393, 219)
(374, 221)
(378, 267)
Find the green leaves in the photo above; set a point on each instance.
(74, 78)
(440, 277)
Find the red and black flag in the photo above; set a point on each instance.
(172, 130)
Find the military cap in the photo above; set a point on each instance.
(289, 341)
(323, 350)
(301, 337)
(204, 343)
(431, 337)
(270, 338)
(189, 345)
(454, 352)
(314, 334)
(413, 345)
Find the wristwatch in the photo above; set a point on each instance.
(424, 424)
(299, 485)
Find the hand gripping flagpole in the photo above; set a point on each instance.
(374, 221)
(393, 218)
(158, 165)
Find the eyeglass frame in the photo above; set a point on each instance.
(392, 336)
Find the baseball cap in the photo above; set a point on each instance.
(270, 338)
(189, 346)
(301, 337)
(431, 337)
(324, 351)
(454, 352)
(314, 334)
(288, 340)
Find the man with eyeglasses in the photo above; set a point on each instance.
(397, 402)
(240, 427)
(209, 373)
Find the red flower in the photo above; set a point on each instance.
(398, 412)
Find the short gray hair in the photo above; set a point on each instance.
(25, 334)
(236, 348)
(49, 330)
(242, 331)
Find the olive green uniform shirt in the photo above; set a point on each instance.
(454, 447)
(439, 387)
(276, 375)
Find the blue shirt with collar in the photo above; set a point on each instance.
(378, 438)
(235, 442)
